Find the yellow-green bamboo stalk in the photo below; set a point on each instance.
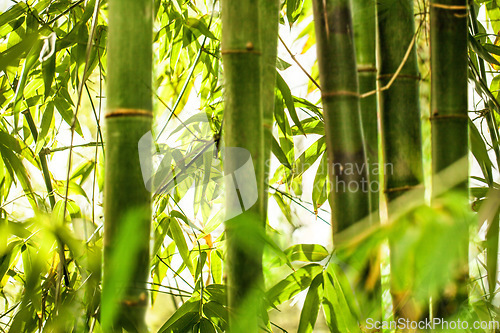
(449, 119)
(400, 117)
(241, 56)
(364, 26)
(127, 203)
(349, 198)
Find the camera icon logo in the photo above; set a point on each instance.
(186, 148)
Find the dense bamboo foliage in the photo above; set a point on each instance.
(449, 119)
(339, 93)
(241, 51)
(73, 193)
(127, 202)
(400, 116)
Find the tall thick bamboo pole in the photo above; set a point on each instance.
(364, 26)
(449, 119)
(127, 203)
(241, 56)
(349, 198)
(400, 117)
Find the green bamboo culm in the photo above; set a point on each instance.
(340, 99)
(269, 26)
(449, 120)
(400, 121)
(364, 26)
(127, 203)
(243, 118)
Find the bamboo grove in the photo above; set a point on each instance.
(249, 166)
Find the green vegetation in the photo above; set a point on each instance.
(261, 202)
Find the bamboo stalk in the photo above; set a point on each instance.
(364, 26)
(400, 119)
(243, 118)
(349, 198)
(128, 118)
(449, 119)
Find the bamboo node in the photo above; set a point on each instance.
(449, 7)
(403, 188)
(240, 51)
(362, 69)
(449, 116)
(399, 76)
(339, 93)
(129, 113)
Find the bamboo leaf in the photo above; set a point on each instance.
(287, 96)
(206, 326)
(280, 155)
(47, 121)
(309, 156)
(180, 242)
(200, 26)
(184, 318)
(285, 209)
(293, 284)
(48, 70)
(311, 305)
(319, 192)
(306, 252)
(13, 13)
(15, 52)
(479, 151)
(64, 109)
(338, 314)
(481, 51)
(216, 313)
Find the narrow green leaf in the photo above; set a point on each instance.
(338, 315)
(184, 318)
(293, 284)
(291, 7)
(280, 155)
(319, 192)
(479, 151)
(200, 26)
(180, 242)
(48, 71)
(481, 51)
(310, 309)
(64, 109)
(206, 326)
(13, 13)
(287, 96)
(217, 314)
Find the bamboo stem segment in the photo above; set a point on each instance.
(364, 27)
(449, 119)
(400, 120)
(338, 76)
(127, 203)
(243, 119)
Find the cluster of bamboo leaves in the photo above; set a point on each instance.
(51, 225)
